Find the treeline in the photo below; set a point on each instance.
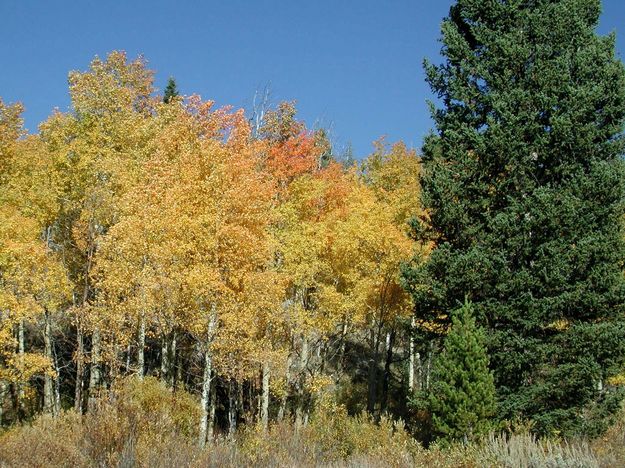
(227, 255)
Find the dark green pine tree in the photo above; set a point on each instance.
(171, 90)
(524, 182)
(462, 396)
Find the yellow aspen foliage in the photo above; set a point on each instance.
(193, 240)
(32, 279)
(10, 130)
(303, 238)
(394, 176)
(364, 251)
(393, 173)
(98, 148)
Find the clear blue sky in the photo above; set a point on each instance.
(352, 65)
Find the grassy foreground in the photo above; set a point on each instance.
(144, 424)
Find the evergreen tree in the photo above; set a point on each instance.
(322, 142)
(524, 185)
(462, 397)
(171, 90)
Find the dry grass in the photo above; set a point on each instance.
(525, 451)
(143, 424)
(610, 448)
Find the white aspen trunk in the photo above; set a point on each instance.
(164, 359)
(264, 413)
(240, 403)
(94, 374)
(258, 399)
(49, 383)
(80, 370)
(80, 351)
(57, 388)
(386, 380)
(283, 401)
(207, 377)
(372, 369)
(299, 411)
(3, 392)
(232, 415)
(141, 347)
(20, 350)
(342, 348)
(419, 373)
(428, 367)
(128, 350)
(211, 413)
(94, 377)
(49, 403)
(172, 360)
(206, 384)
(411, 359)
(179, 383)
(115, 367)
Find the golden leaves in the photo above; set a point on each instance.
(170, 216)
(32, 279)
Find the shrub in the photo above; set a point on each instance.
(610, 447)
(139, 423)
(47, 442)
(143, 424)
(526, 451)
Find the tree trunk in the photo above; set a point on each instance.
(94, 374)
(114, 368)
(322, 353)
(3, 392)
(373, 370)
(341, 361)
(20, 385)
(232, 412)
(164, 359)
(264, 413)
(206, 384)
(411, 358)
(141, 347)
(178, 366)
(428, 366)
(390, 340)
(80, 370)
(211, 412)
(420, 375)
(57, 385)
(49, 400)
(284, 399)
(128, 353)
(80, 348)
(301, 390)
(172, 360)
(240, 403)
(207, 377)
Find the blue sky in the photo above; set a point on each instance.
(354, 66)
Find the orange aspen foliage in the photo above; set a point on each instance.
(290, 149)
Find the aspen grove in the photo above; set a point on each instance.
(171, 238)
